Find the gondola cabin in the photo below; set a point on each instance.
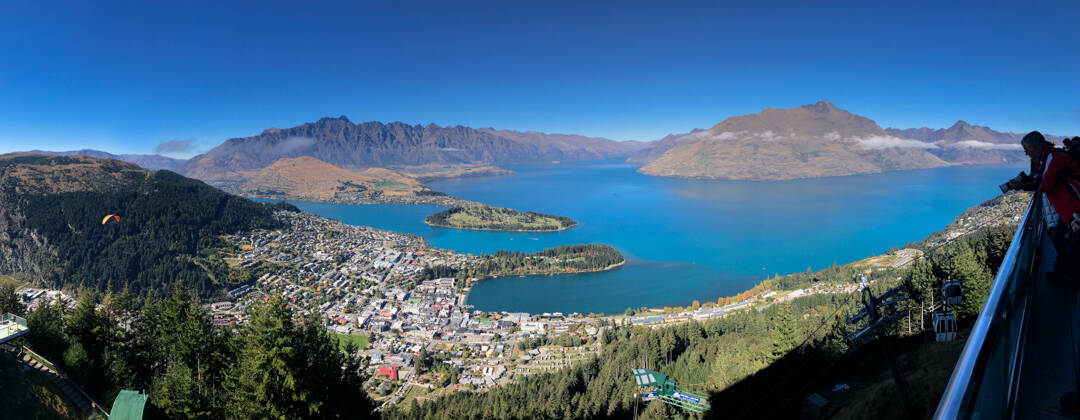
(952, 292)
(945, 326)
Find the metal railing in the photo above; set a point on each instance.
(984, 381)
(11, 325)
(50, 365)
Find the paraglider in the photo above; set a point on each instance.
(111, 216)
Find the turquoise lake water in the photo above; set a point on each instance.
(686, 239)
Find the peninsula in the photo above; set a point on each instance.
(483, 217)
(567, 259)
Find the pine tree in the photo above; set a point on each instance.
(9, 301)
(176, 395)
(264, 382)
(46, 334)
(785, 338)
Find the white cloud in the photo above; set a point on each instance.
(834, 136)
(729, 135)
(985, 145)
(292, 144)
(769, 136)
(695, 135)
(699, 134)
(174, 147)
(885, 142)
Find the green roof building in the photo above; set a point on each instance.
(128, 405)
(654, 385)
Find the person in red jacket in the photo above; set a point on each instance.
(1054, 178)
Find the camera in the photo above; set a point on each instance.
(1072, 144)
(1018, 178)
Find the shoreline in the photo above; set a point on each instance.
(449, 202)
(708, 178)
(426, 222)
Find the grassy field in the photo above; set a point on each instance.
(389, 184)
(6, 279)
(361, 340)
(421, 395)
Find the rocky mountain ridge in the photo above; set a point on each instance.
(350, 146)
(966, 144)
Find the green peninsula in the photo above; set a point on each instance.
(498, 218)
(567, 259)
(559, 260)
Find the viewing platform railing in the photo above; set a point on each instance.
(985, 382)
(11, 327)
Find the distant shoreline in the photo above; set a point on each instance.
(501, 230)
(402, 200)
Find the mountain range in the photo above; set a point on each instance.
(341, 143)
(151, 162)
(964, 143)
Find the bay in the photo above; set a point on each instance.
(686, 239)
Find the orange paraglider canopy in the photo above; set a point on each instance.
(111, 216)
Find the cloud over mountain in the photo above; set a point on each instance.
(174, 146)
(886, 141)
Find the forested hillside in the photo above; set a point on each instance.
(167, 227)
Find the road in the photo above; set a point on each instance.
(393, 399)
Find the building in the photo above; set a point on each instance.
(390, 371)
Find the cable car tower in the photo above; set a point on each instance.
(654, 385)
(879, 313)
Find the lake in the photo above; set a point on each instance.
(686, 239)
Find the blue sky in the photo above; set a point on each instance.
(125, 77)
